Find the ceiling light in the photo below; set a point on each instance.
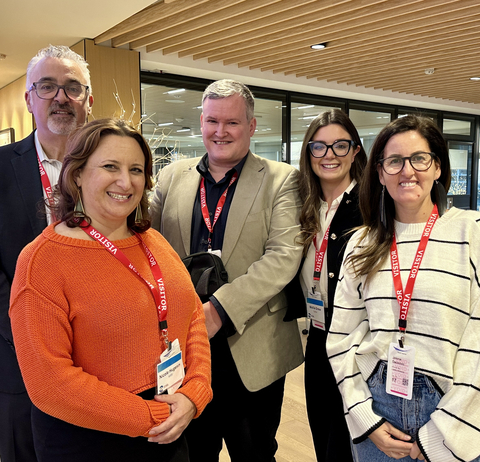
(319, 46)
(430, 70)
(165, 124)
(475, 79)
(171, 92)
(183, 129)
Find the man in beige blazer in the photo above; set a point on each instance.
(252, 347)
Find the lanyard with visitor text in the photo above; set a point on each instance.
(404, 297)
(319, 258)
(158, 292)
(47, 186)
(218, 210)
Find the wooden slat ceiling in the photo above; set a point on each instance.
(381, 44)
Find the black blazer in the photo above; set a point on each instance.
(21, 221)
(346, 217)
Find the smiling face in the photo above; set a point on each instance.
(333, 171)
(61, 115)
(409, 189)
(226, 130)
(112, 182)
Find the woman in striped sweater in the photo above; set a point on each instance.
(403, 343)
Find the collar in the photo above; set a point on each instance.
(41, 153)
(202, 168)
(336, 202)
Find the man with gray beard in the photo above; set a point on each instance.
(59, 95)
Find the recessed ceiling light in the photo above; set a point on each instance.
(165, 124)
(475, 79)
(172, 92)
(319, 46)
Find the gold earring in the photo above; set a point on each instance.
(79, 211)
(138, 214)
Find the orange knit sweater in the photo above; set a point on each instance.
(87, 336)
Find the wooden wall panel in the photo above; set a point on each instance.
(114, 70)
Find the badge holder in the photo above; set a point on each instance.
(316, 309)
(170, 371)
(400, 369)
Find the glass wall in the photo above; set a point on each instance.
(171, 108)
(460, 154)
(369, 124)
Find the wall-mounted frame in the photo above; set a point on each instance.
(7, 136)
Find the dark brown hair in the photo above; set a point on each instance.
(80, 146)
(309, 183)
(373, 254)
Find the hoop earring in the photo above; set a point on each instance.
(440, 197)
(383, 213)
(138, 214)
(79, 211)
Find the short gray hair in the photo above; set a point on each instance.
(59, 52)
(225, 88)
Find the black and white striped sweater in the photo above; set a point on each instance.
(443, 326)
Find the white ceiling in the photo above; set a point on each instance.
(26, 26)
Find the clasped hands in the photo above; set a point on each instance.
(182, 411)
(394, 443)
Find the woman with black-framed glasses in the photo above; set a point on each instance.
(331, 164)
(403, 343)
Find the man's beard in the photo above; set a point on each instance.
(62, 125)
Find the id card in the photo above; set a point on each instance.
(170, 371)
(400, 369)
(316, 310)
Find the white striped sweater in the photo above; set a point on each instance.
(443, 326)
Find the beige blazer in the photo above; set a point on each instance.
(259, 254)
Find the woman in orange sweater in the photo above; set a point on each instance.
(96, 299)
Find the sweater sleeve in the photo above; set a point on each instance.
(453, 432)
(196, 384)
(51, 376)
(348, 329)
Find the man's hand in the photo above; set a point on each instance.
(394, 448)
(212, 319)
(182, 411)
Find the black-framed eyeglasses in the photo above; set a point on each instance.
(340, 148)
(49, 90)
(420, 161)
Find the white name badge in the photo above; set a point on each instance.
(170, 371)
(400, 369)
(316, 310)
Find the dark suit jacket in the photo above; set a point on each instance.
(21, 221)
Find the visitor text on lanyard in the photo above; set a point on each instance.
(158, 292)
(218, 209)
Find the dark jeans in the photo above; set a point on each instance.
(247, 421)
(59, 441)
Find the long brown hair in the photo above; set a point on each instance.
(309, 183)
(80, 146)
(374, 252)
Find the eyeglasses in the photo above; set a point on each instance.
(420, 161)
(340, 148)
(49, 90)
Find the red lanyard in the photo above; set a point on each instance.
(320, 255)
(404, 298)
(47, 186)
(218, 210)
(158, 292)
